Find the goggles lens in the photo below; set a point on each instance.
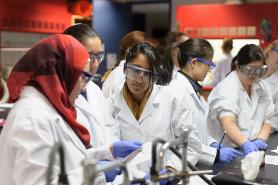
(209, 63)
(99, 56)
(133, 72)
(253, 71)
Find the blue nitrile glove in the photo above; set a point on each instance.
(228, 154)
(163, 181)
(249, 147)
(260, 144)
(216, 145)
(124, 148)
(110, 175)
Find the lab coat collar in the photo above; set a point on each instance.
(189, 88)
(196, 86)
(83, 105)
(120, 106)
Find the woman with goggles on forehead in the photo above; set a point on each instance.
(194, 56)
(241, 104)
(146, 111)
(271, 77)
(91, 105)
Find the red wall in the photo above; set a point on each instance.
(219, 21)
(45, 16)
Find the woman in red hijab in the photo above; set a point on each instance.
(44, 85)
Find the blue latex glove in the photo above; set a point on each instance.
(110, 175)
(261, 145)
(163, 181)
(216, 145)
(124, 148)
(228, 154)
(249, 147)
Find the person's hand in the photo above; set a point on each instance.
(261, 145)
(162, 181)
(249, 147)
(216, 145)
(110, 175)
(228, 154)
(124, 148)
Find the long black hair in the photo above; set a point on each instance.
(194, 48)
(246, 55)
(153, 57)
(82, 32)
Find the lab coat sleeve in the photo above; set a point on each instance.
(32, 145)
(267, 99)
(222, 102)
(113, 128)
(208, 155)
(182, 119)
(111, 125)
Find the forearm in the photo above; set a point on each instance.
(265, 131)
(229, 125)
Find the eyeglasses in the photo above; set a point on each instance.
(99, 56)
(86, 77)
(209, 63)
(132, 72)
(253, 71)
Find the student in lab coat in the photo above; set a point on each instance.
(223, 65)
(241, 104)
(146, 111)
(91, 105)
(171, 64)
(194, 58)
(44, 85)
(115, 79)
(271, 77)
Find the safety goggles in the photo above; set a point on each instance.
(253, 71)
(133, 72)
(86, 77)
(209, 63)
(98, 56)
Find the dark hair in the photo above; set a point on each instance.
(246, 55)
(171, 41)
(81, 32)
(153, 58)
(132, 38)
(227, 45)
(194, 48)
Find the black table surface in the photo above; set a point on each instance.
(268, 173)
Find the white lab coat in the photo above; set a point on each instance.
(175, 72)
(32, 128)
(272, 83)
(200, 109)
(163, 117)
(223, 67)
(230, 98)
(115, 81)
(94, 115)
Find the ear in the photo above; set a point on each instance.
(193, 62)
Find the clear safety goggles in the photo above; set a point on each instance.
(97, 56)
(253, 71)
(209, 63)
(133, 72)
(86, 77)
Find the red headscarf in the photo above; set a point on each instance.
(53, 67)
